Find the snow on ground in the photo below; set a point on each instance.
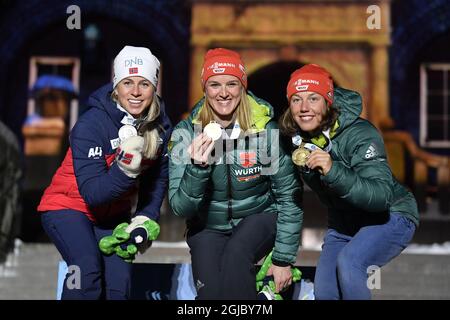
(435, 248)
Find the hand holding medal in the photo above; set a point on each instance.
(127, 131)
(309, 156)
(130, 151)
(202, 146)
(320, 160)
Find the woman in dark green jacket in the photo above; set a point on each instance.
(371, 217)
(234, 185)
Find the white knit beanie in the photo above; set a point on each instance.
(136, 61)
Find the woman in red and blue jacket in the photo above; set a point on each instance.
(115, 171)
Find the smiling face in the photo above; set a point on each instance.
(223, 93)
(308, 109)
(135, 94)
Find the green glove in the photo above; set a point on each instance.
(264, 268)
(127, 239)
(261, 280)
(108, 244)
(151, 227)
(115, 243)
(143, 231)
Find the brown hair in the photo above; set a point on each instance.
(289, 127)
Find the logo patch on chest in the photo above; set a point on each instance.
(115, 143)
(247, 159)
(248, 173)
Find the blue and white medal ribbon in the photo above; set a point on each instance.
(297, 140)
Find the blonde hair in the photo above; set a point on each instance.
(149, 127)
(243, 110)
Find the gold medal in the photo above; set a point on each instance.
(300, 156)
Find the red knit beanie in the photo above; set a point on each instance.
(223, 61)
(311, 77)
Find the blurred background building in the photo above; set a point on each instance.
(396, 53)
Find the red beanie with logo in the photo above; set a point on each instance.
(223, 61)
(311, 77)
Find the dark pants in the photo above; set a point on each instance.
(76, 238)
(223, 262)
(342, 270)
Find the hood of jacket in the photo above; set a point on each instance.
(101, 99)
(349, 104)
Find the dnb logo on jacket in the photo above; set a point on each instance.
(248, 161)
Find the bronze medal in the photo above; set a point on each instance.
(300, 156)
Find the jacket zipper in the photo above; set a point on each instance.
(230, 210)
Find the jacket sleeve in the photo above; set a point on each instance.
(97, 183)
(287, 189)
(366, 182)
(154, 182)
(187, 181)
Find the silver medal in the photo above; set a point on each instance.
(213, 130)
(127, 131)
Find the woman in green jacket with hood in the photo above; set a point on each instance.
(234, 185)
(371, 217)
